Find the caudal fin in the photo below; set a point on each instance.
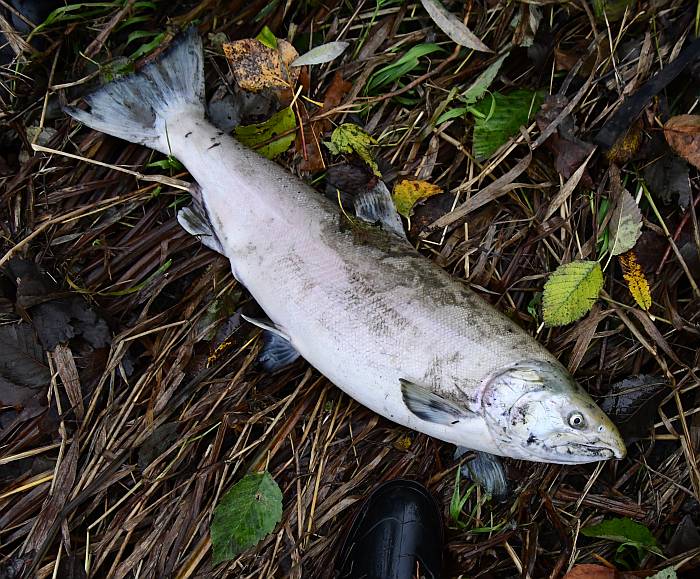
(139, 107)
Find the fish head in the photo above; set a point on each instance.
(536, 411)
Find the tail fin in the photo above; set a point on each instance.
(137, 107)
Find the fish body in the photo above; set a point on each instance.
(359, 303)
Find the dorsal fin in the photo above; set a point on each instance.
(375, 205)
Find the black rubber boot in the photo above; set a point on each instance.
(396, 534)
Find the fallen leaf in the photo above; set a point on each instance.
(569, 151)
(526, 24)
(348, 138)
(24, 371)
(321, 54)
(246, 514)
(590, 571)
(626, 532)
(453, 26)
(685, 537)
(257, 67)
(626, 146)
(667, 177)
(570, 292)
(667, 573)
(500, 117)
(635, 278)
(683, 134)
(625, 224)
(633, 404)
(407, 193)
(271, 137)
(57, 316)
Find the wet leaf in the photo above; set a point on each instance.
(321, 54)
(23, 367)
(685, 537)
(500, 117)
(636, 280)
(407, 193)
(668, 176)
(453, 26)
(571, 291)
(667, 573)
(246, 514)
(590, 571)
(625, 224)
(349, 138)
(271, 137)
(633, 404)
(683, 134)
(624, 531)
(257, 67)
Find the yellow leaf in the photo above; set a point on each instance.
(408, 193)
(636, 280)
(257, 67)
(403, 443)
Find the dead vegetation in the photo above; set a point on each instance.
(140, 403)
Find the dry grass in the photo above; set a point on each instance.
(122, 477)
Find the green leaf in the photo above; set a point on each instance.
(140, 34)
(610, 10)
(667, 573)
(246, 514)
(509, 113)
(625, 224)
(451, 114)
(261, 136)
(349, 138)
(624, 531)
(402, 66)
(148, 47)
(571, 291)
(321, 54)
(408, 192)
(267, 37)
(482, 83)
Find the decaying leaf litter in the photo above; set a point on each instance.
(115, 459)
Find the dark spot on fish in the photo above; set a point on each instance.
(532, 439)
(455, 422)
(214, 145)
(188, 134)
(219, 133)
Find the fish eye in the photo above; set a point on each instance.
(576, 420)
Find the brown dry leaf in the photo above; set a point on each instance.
(590, 571)
(635, 278)
(683, 134)
(313, 159)
(257, 67)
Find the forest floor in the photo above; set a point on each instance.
(130, 398)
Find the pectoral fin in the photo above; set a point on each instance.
(376, 206)
(277, 353)
(487, 470)
(431, 407)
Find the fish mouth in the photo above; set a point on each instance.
(596, 451)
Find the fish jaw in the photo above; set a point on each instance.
(536, 411)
